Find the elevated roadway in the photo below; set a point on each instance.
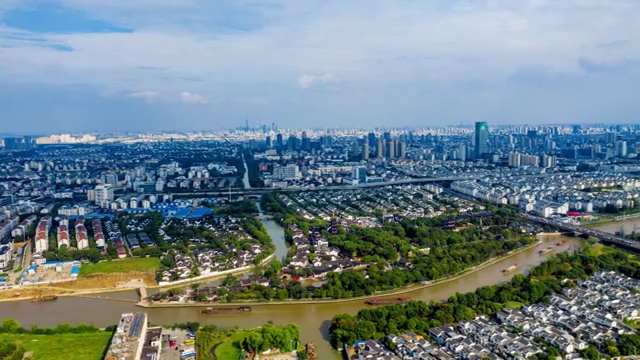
(264, 190)
(604, 237)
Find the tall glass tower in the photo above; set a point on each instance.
(481, 137)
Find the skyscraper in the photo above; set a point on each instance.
(391, 149)
(372, 139)
(481, 137)
(365, 151)
(380, 148)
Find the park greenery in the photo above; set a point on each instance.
(395, 254)
(82, 342)
(212, 342)
(547, 278)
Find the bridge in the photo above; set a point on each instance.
(264, 190)
(604, 237)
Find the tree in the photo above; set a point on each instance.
(10, 325)
(254, 341)
(590, 353)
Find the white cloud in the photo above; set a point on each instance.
(149, 96)
(249, 51)
(192, 98)
(306, 81)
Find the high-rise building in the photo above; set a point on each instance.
(359, 173)
(365, 151)
(380, 148)
(103, 194)
(481, 138)
(610, 137)
(306, 142)
(514, 159)
(548, 161)
(529, 160)
(356, 149)
(391, 149)
(279, 141)
(293, 143)
(402, 149)
(110, 179)
(372, 139)
(289, 172)
(621, 148)
(268, 142)
(462, 152)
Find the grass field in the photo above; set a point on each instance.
(513, 304)
(225, 344)
(121, 266)
(89, 346)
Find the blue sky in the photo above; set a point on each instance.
(108, 65)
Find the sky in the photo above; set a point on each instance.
(166, 65)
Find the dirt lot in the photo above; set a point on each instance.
(31, 291)
(107, 281)
(86, 284)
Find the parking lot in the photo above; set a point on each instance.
(173, 353)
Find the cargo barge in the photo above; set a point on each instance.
(45, 298)
(226, 310)
(511, 268)
(390, 301)
(546, 251)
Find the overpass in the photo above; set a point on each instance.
(264, 190)
(604, 237)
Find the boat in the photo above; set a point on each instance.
(546, 251)
(511, 268)
(389, 301)
(45, 298)
(226, 310)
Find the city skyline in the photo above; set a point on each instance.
(189, 65)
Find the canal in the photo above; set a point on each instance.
(313, 319)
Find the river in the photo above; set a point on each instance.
(630, 225)
(273, 228)
(313, 319)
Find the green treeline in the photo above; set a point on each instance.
(14, 350)
(11, 326)
(398, 254)
(252, 166)
(419, 317)
(232, 343)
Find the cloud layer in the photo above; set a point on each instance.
(191, 98)
(414, 63)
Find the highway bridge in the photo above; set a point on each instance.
(604, 237)
(262, 191)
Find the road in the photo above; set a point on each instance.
(603, 236)
(261, 191)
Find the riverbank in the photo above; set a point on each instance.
(29, 291)
(394, 292)
(212, 276)
(613, 221)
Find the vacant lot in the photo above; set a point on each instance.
(89, 346)
(121, 266)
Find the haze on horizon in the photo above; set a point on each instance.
(150, 65)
